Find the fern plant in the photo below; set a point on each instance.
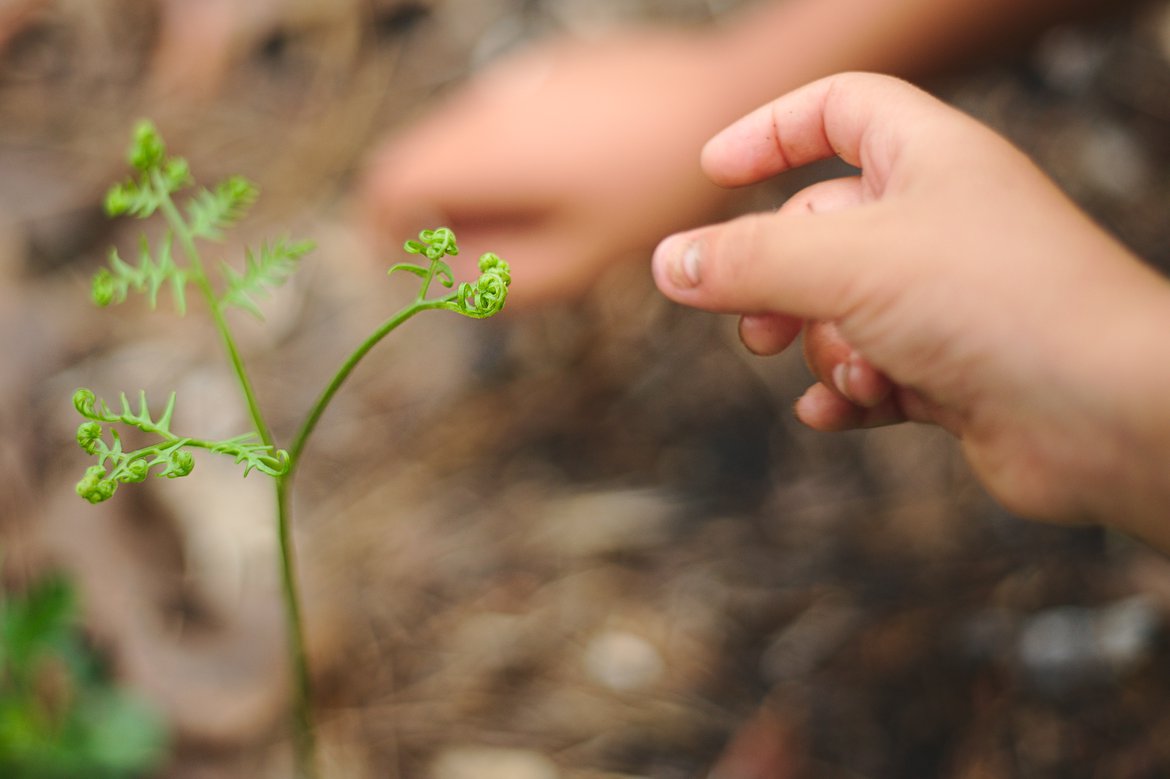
(175, 264)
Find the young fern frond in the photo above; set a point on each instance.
(159, 176)
(479, 300)
(206, 215)
(267, 270)
(434, 245)
(487, 295)
(168, 457)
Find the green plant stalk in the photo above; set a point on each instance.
(323, 401)
(304, 732)
(187, 242)
(304, 740)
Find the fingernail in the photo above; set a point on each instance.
(805, 407)
(843, 372)
(679, 257)
(862, 383)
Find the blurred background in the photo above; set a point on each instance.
(581, 540)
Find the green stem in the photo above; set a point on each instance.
(187, 241)
(303, 734)
(346, 369)
(241, 372)
(304, 738)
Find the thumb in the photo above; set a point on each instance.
(812, 267)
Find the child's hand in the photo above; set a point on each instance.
(950, 282)
(564, 159)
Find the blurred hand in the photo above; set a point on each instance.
(562, 159)
(952, 283)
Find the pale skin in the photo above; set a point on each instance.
(573, 155)
(950, 282)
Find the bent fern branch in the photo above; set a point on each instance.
(169, 457)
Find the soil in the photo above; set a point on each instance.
(582, 542)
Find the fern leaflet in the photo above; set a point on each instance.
(262, 272)
(210, 212)
(111, 285)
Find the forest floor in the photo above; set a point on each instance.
(581, 542)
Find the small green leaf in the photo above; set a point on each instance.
(132, 197)
(209, 212)
(113, 284)
(262, 273)
(176, 174)
(147, 151)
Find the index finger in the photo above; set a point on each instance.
(863, 118)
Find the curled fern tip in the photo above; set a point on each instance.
(83, 401)
(434, 244)
(95, 486)
(88, 435)
(180, 464)
(134, 472)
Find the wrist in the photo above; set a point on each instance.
(1152, 488)
(1138, 502)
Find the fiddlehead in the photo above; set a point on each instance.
(479, 299)
(435, 245)
(486, 297)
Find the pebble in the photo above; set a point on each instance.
(1066, 647)
(623, 661)
(485, 762)
(1112, 160)
(607, 522)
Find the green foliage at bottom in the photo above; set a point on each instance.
(60, 715)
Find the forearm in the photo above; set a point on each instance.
(778, 45)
